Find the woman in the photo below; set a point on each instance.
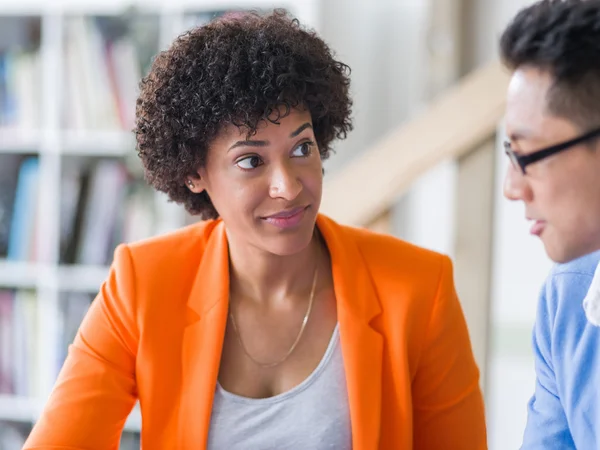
(268, 326)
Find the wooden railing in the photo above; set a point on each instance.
(462, 125)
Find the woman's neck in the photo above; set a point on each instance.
(267, 278)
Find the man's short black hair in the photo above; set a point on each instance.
(563, 38)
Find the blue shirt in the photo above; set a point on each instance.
(564, 412)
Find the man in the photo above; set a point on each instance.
(553, 130)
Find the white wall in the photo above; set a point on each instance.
(381, 40)
(519, 269)
(490, 18)
(520, 266)
(425, 215)
(384, 43)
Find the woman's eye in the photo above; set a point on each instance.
(249, 162)
(304, 149)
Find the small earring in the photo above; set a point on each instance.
(190, 184)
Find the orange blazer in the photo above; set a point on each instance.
(155, 333)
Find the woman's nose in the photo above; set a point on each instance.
(285, 184)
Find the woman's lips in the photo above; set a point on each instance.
(287, 219)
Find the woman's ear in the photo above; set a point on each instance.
(195, 183)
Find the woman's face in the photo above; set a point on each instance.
(267, 189)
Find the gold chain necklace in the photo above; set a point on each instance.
(293, 347)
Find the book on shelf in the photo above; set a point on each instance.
(73, 307)
(73, 194)
(18, 343)
(130, 441)
(19, 190)
(13, 435)
(102, 205)
(20, 76)
(19, 356)
(106, 191)
(21, 242)
(104, 63)
(6, 350)
(9, 171)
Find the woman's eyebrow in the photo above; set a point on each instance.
(252, 143)
(300, 129)
(249, 143)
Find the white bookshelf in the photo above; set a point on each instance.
(24, 409)
(19, 141)
(100, 143)
(97, 143)
(19, 275)
(18, 409)
(52, 142)
(66, 278)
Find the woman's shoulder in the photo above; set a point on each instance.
(408, 280)
(173, 248)
(384, 251)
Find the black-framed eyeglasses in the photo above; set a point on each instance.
(522, 161)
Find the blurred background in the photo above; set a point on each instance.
(424, 163)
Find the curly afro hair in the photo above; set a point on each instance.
(238, 69)
(563, 38)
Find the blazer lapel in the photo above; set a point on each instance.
(203, 341)
(362, 346)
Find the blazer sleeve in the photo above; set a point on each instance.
(96, 388)
(447, 401)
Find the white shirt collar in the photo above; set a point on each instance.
(591, 302)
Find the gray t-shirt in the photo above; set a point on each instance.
(313, 415)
